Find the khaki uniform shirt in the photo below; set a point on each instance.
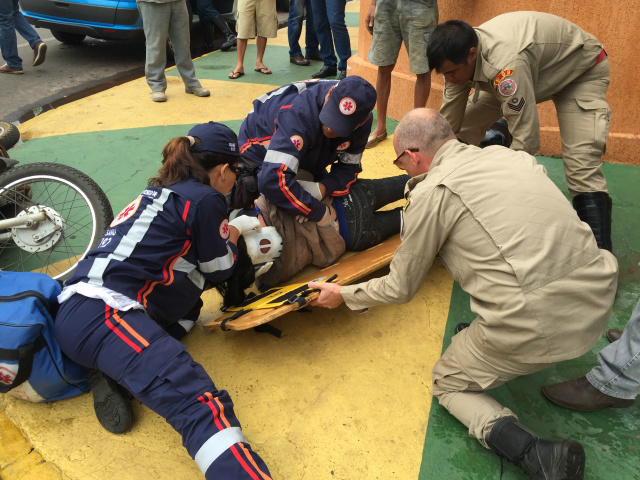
(523, 59)
(541, 288)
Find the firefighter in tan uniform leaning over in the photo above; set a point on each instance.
(515, 61)
(540, 286)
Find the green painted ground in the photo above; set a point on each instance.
(611, 437)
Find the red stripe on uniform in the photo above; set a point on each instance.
(208, 402)
(118, 332)
(236, 454)
(167, 272)
(287, 193)
(254, 141)
(186, 210)
(247, 454)
(341, 193)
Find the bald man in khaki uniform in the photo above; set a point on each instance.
(540, 286)
(515, 61)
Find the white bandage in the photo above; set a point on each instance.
(311, 187)
(244, 223)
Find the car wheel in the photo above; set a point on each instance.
(9, 134)
(68, 37)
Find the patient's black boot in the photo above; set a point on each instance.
(594, 209)
(541, 459)
(111, 402)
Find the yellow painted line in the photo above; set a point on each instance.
(130, 106)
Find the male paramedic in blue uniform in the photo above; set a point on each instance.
(295, 132)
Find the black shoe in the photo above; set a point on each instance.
(460, 327)
(230, 39)
(613, 334)
(325, 72)
(342, 75)
(540, 459)
(111, 402)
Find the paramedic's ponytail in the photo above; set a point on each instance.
(178, 164)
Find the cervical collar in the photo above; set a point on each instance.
(263, 247)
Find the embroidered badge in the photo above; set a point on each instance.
(6, 376)
(502, 75)
(347, 106)
(344, 146)
(224, 229)
(516, 104)
(507, 87)
(127, 212)
(297, 141)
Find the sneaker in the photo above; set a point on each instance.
(158, 97)
(7, 69)
(111, 402)
(39, 53)
(198, 91)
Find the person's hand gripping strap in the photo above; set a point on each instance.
(245, 223)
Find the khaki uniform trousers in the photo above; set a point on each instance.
(460, 378)
(584, 118)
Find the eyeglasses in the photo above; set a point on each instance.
(399, 165)
(235, 170)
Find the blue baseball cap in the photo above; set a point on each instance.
(215, 137)
(349, 104)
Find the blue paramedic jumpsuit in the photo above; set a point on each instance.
(283, 133)
(158, 255)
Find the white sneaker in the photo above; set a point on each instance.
(158, 97)
(198, 91)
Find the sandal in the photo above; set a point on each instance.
(235, 75)
(264, 70)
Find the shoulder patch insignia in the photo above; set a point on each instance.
(502, 75)
(298, 142)
(516, 104)
(224, 229)
(343, 146)
(507, 87)
(126, 212)
(347, 106)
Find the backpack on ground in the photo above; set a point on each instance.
(32, 367)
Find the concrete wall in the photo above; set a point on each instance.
(615, 24)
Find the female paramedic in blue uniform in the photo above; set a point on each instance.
(147, 273)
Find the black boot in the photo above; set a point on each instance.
(498, 134)
(594, 208)
(229, 37)
(111, 402)
(540, 459)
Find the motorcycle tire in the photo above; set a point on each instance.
(9, 134)
(78, 213)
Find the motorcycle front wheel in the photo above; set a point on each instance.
(77, 214)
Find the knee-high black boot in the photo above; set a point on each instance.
(229, 37)
(540, 459)
(594, 208)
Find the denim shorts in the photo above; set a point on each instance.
(395, 21)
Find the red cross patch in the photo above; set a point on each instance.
(127, 212)
(344, 146)
(224, 229)
(6, 376)
(297, 141)
(347, 106)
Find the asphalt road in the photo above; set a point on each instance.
(72, 71)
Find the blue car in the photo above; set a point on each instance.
(70, 21)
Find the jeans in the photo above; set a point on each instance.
(366, 226)
(296, 11)
(162, 21)
(11, 19)
(618, 374)
(328, 16)
(206, 11)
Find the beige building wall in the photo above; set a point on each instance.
(615, 24)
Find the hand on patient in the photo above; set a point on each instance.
(244, 223)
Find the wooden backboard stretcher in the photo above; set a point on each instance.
(347, 270)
